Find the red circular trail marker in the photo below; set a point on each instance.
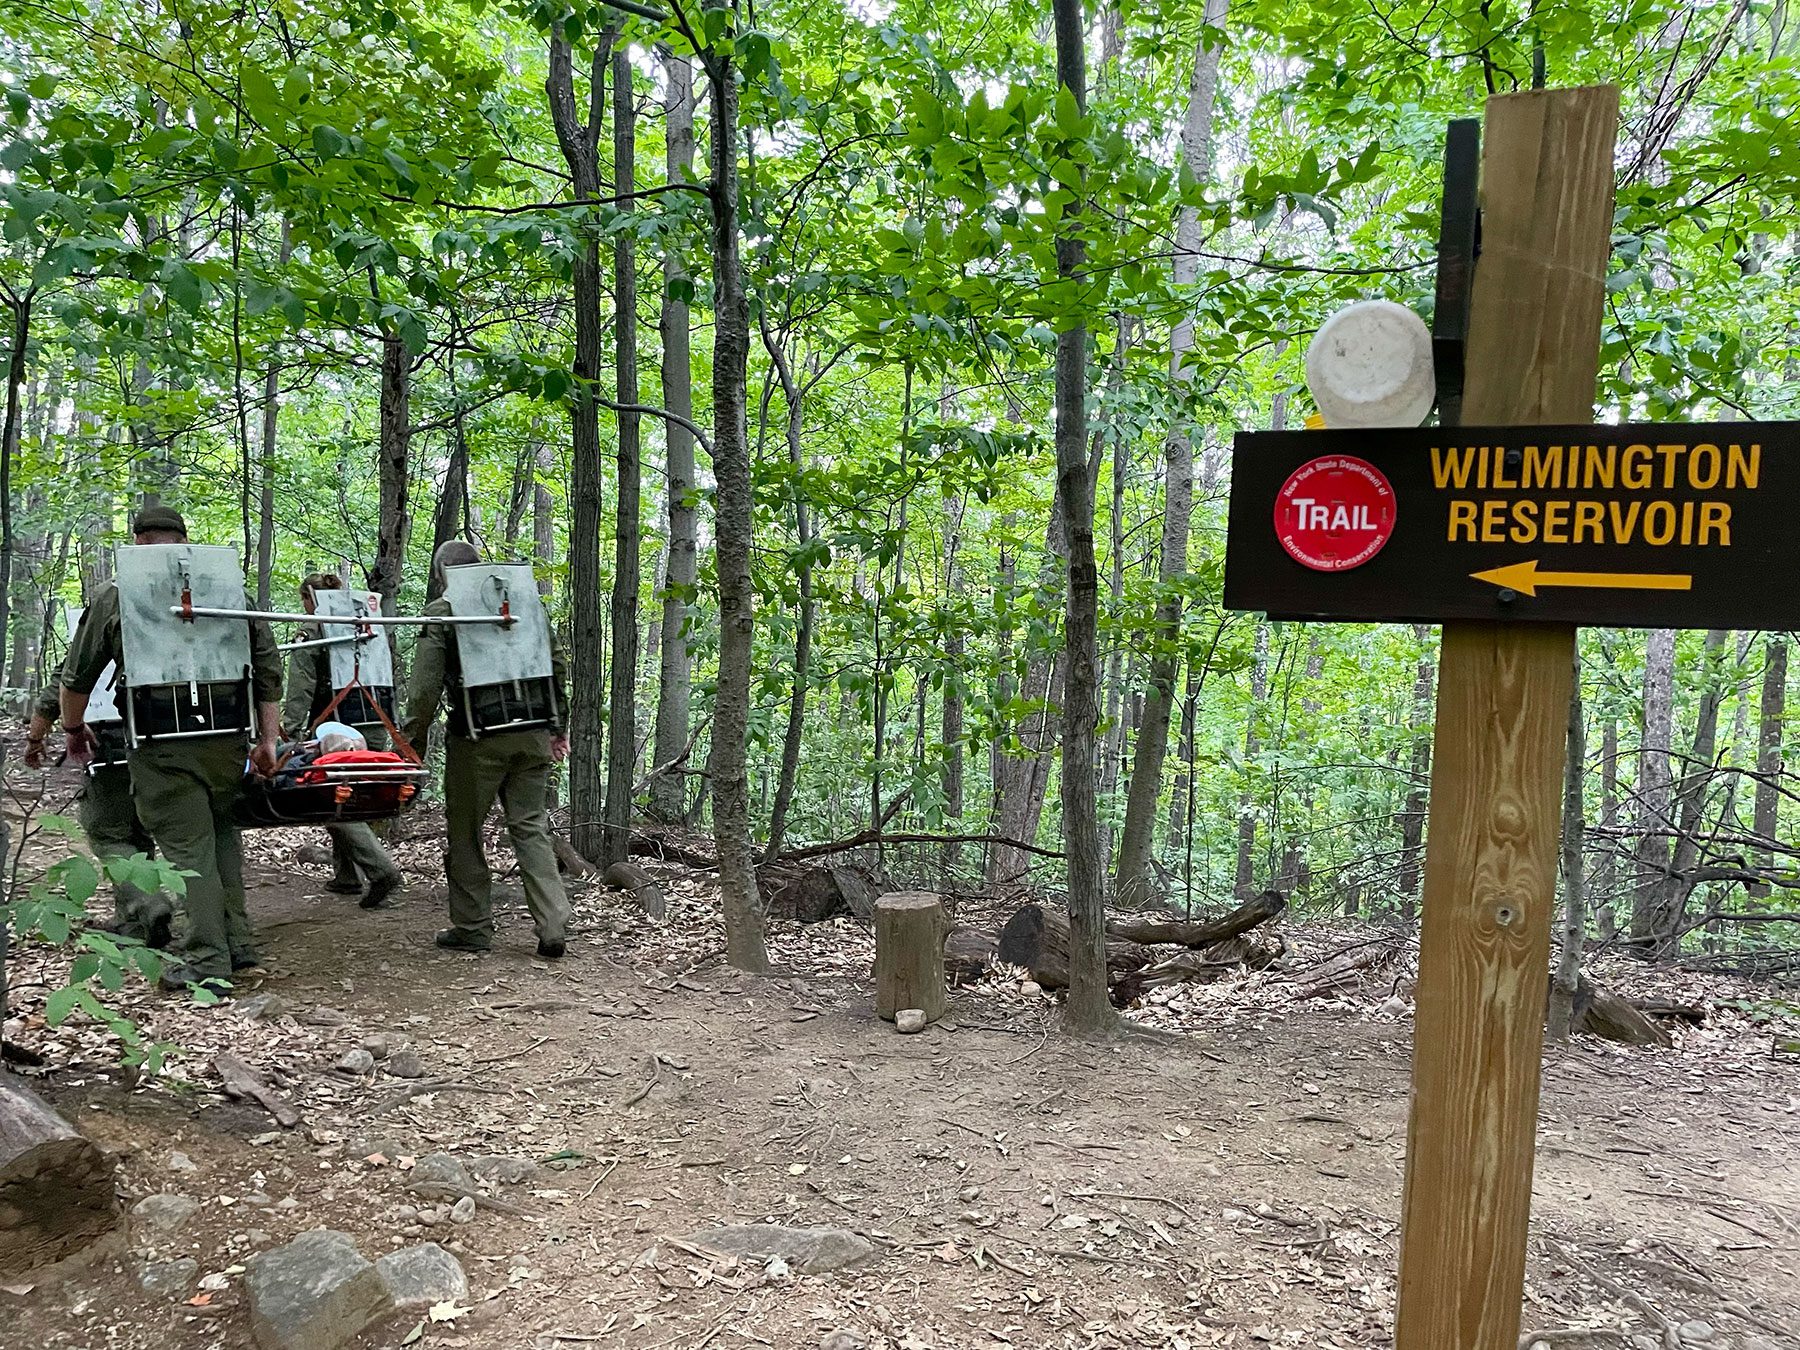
(1334, 513)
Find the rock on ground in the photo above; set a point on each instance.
(165, 1279)
(503, 1170)
(439, 1169)
(406, 1064)
(417, 1277)
(315, 1293)
(807, 1250)
(909, 1021)
(165, 1210)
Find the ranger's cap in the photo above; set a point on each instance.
(158, 518)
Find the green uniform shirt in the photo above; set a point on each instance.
(436, 673)
(98, 640)
(308, 675)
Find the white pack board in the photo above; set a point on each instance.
(491, 654)
(103, 703)
(366, 657)
(160, 646)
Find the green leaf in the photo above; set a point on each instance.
(42, 86)
(61, 1003)
(182, 284)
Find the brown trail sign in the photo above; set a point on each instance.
(1639, 526)
(1375, 525)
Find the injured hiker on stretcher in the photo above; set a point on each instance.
(331, 778)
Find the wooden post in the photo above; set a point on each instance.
(1490, 868)
(910, 929)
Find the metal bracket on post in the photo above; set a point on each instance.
(1459, 243)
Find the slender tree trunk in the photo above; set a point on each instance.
(1655, 784)
(745, 947)
(394, 469)
(803, 633)
(1243, 878)
(1574, 933)
(1089, 1009)
(18, 340)
(673, 689)
(952, 724)
(271, 417)
(1137, 835)
(1412, 822)
(580, 143)
(519, 500)
(543, 520)
(1606, 872)
(452, 503)
(1769, 759)
(621, 754)
(1690, 801)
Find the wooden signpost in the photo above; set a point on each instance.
(1391, 543)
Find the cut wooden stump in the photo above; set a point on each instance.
(56, 1186)
(910, 929)
(1037, 937)
(624, 876)
(1155, 929)
(969, 953)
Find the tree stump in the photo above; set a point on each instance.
(626, 876)
(910, 928)
(56, 1186)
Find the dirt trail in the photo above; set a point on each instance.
(1239, 1188)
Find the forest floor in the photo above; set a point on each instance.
(1239, 1187)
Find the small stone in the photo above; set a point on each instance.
(503, 1170)
(406, 1064)
(968, 1193)
(180, 1162)
(1758, 1343)
(1031, 988)
(463, 1211)
(377, 1143)
(315, 1293)
(260, 1007)
(256, 1237)
(1696, 1331)
(322, 1017)
(909, 1021)
(260, 1199)
(417, 1277)
(807, 1250)
(358, 1061)
(439, 1170)
(376, 1043)
(287, 1202)
(165, 1279)
(407, 1213)
(166, 1210)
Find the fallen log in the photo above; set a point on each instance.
(1612, 1018)
(649, 844)
(814, 894)
(1160, 929)
(969, 953)
(56, 1185)
(1346, 967)
(568, 861)
(1037, 937)
(243, 1082)
(624, 876)
(1203, 966)
(1691, 1013)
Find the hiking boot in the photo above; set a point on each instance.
(161, 932)
(381, 888)
(176, 979)
(551, 949)
(461, 940)
(343, 886)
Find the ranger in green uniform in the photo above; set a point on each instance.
(356, 854)
(110, 820)
(511, 765)
(185, 788)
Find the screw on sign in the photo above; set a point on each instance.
(1334, 513)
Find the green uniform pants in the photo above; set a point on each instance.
(109, 818)
(185, 791)
(357, 856)
(515, 767)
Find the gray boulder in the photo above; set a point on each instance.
(806, 1250)
(166, 1279)
(315, 1293)
(503, 1170)
(417, 1277)
(439, 1170)
(165, 1210)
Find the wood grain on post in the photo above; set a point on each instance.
(1490, 869)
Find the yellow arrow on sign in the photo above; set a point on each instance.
(1525, 579)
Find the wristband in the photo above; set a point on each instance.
(74, 730)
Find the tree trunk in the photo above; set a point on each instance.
(791, 739)
(1244, 874)
(1690, 801)
(1655, 785)
(1604, 896)
(674, 685)
(1418, 783)
(543, 520)
(745, 947)
(271, 415)
(580, 144)
(395, 525)
(1089, 1008)
(621, 752)
(1574, 825)
(1769, 760)
(56, 1187)
(452, 503)
(952, 724)
(1137, 835)
(9, 454)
